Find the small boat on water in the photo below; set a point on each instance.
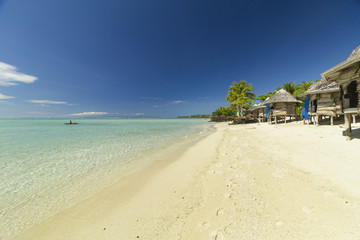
(70, 123)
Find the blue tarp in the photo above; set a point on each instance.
(267, 110)
(305, 108)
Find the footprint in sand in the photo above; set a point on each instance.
(234, 166)
(279, 224)
(308, 210)
(217, 235)
(228, 195)
(220, 211)
(203, 226)
(211, 172)
(219, 165)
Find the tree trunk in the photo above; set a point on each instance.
(238, 110)
(241, 110)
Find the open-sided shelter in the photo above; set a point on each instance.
(281, 105)
(324, 100)
(347, 75)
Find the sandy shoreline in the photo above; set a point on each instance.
(252, 181)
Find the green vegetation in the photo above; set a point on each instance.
(265, 96)
(240, 95)
(224, 112)
(196, 116)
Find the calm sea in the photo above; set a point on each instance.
(47, 166)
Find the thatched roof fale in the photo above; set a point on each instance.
(321, 86)
(281, 96)
(253, 107)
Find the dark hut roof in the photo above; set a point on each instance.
(281, 96)
(321, 86)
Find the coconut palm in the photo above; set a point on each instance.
(240, 95)
(303, 86)
(265, 96)
(291, 88)
(223, 111)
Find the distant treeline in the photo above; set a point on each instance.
(196, 116)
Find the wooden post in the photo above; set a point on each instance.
(275, 120)
(317, 120)
(354, 118)
(332, 120)
(347, 117)
(285, 119)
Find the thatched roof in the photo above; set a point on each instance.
(321, 86)
(352, 61)
(355, 53)
(281, 96)
(263, 103)
(253, 107)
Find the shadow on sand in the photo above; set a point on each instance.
(355, 133)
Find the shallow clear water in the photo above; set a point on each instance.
(47, 166)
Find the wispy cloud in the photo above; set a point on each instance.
(152, 98)
(139, 114)
(177, 102)
(156, 106)
(89, 114)
(48, 102)
(3, 97)
(9, 76)
(203, 98)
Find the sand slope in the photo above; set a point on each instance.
(242, 182)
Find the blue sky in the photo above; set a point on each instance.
(161, 58)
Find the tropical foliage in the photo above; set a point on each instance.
(291, 88)
(265, 96)
(224, 112)
(303, 86)
(240, 95)
(196, 116)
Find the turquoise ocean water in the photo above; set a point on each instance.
(47, 166)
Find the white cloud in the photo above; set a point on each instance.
(2, 97)
(9, 76)
(139, 114)
(47, 102)
(177, 102)
(156, 106)
(89, 114)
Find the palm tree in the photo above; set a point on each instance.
(240, 94)
(223, 111)
(291, 88)
(303, 86)
(265, 96)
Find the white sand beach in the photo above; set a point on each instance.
(255, 181)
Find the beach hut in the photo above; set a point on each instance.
(281, 105)
(257, 111)
(324, 100)
(261, 111)
(252, 111)
(347, 75)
